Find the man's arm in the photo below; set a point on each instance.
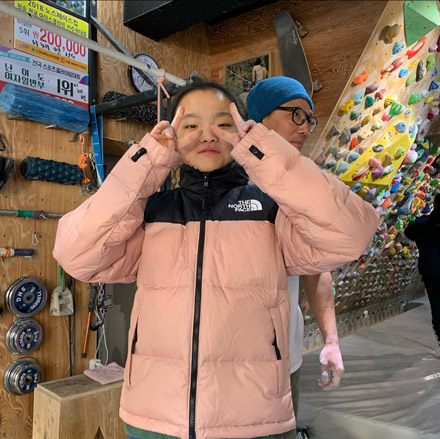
(319, 294)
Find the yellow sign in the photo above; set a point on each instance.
(396, 136)
(55, 16)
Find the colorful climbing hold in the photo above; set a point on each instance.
(355, 128)
(369, 101)
(410, 53)
(414, 98)
(353, 157)
(400, 127)
(392, 32)
(434, 85)
(398, 46)
(400, 152)
(377, 172)
(345, 136)
(378, 148)
(396, 109)
(357, 97)
(421, 71)
(390, 99)
(410, 80)
(372, 88)
(403, 72)
(376, 125)
(354, 142)
(333, 131)
(388, 169)
(366, 120)
(347, 106)
(342, 167)
(355, 114)
(430, 62)
(361, 78)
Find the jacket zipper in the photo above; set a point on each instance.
(196, 322)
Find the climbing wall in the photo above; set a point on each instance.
(376, 141)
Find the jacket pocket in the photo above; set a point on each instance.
(278, 345)
(132, 340)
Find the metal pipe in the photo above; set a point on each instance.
(30, 213)
(93, 45)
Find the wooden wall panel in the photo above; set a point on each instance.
(178, 54)
(25, 138)
(338, 33)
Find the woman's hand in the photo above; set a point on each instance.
(242, 127)
(165, 133)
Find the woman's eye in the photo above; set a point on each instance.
(227, 125)
(190, 126)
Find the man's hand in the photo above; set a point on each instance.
(242, 127)
(332, 366)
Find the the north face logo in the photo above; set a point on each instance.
(246, 206)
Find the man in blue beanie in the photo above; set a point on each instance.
(283, 105)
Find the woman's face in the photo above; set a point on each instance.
(204, 108)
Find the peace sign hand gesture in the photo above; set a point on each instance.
(242, 127)
(165, 133)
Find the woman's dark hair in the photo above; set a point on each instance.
(207, 85)
(258, 62)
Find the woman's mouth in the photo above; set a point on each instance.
(208, 151)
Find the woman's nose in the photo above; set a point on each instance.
(208, 136)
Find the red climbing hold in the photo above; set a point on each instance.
(416, 48)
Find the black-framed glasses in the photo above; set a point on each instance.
(299, 116)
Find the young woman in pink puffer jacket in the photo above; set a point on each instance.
(208, 342)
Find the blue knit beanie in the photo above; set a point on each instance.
(270, 93)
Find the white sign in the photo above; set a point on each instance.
(44, 76)
(45, 44)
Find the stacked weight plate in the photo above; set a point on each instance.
(22, 376)
(26, 297)
(23, 336)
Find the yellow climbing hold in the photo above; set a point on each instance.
(429, 99)
(347, 106)
(391, 99)
(366, 120)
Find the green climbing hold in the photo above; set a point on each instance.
(414, 98)
(369, 101)
(396, 109)
(433, 150)
(435, 182)
(410, 218)
(430, 62)
(411, 79)
(355, 114)
(399, 224)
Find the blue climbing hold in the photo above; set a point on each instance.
(355, 188)
(403, 72)
(401, 127)
(434, 85)
(398, 46)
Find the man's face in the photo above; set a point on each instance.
(281, 122)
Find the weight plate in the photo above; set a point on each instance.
(22, 376)
(24, 336)
(26, 297)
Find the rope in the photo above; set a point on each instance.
(160, 80)
(5, 252)
(82, 160)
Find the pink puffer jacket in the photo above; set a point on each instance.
(208, 341)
